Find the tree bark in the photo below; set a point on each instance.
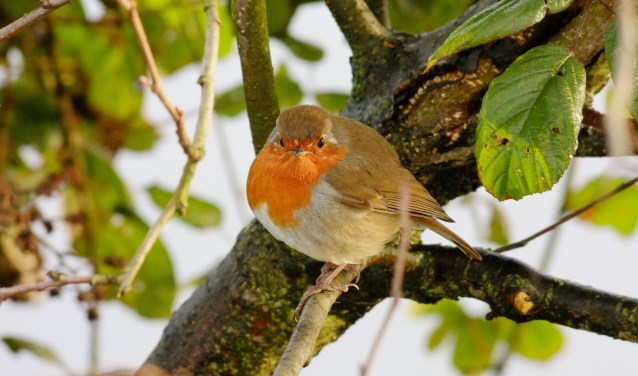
(239, 321)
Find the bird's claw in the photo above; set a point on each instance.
(314, 290)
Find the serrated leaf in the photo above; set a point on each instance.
(498, 227)
(538, 340)
(620, 211)
(199, 213)
(497, 21)
(529, 121)
(333, 102)
(288, 91)
(611, 51)
(303, 50)
(555, 6)
(231, 102)
(16, 345)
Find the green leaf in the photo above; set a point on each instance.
(497, 21)
(475, 343)
(43, 352)
(199, 213)
(529, 121)
(538, 340)
(279, 14)
(555, 6)
(611, 51)
(333, 102)
(288, 91)
(140, 135)
(620, 211)
(231, 102)
(498, 227)
(303, 50)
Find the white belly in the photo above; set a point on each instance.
(347, 238)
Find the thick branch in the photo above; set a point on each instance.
(251, 28)
(359, 24)
(246, 304)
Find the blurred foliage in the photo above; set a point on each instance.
(17, 345)
(475, 340)
(199, 212)
(417, 16)
(499, 227)
(620, 211)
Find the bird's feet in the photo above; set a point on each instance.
(328, 272)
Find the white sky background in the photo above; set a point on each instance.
(587, 255)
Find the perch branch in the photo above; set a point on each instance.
(251, 27)
(212, 326)
(29, 18)
(180, 197)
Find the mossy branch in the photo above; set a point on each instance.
(359, 24)
(251, 28)
(239, 321)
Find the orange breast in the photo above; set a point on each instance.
(285, 183)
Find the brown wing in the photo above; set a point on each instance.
(370, 178)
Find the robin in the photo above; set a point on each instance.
(328, 186)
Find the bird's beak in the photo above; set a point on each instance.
(298, 151)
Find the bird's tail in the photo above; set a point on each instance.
(440, 229)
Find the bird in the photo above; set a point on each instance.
(328, 186)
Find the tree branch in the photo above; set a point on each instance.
(31, 17)
(57, 280)
(241, 309)
(359, 24)
(179, 200)
(251, 28)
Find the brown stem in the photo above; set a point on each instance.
(358, 23)
(31, 17)
(156, 85)
(57, 280)
(566, 218)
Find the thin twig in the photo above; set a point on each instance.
(180, 197)
(57, 280)
(396, 291)
(606, 6)
(579, 31)
(31, 17)
(569, 216)
(155, 85)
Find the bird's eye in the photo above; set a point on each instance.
(320, 143)
(281, 142)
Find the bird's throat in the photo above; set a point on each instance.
(284, 182)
